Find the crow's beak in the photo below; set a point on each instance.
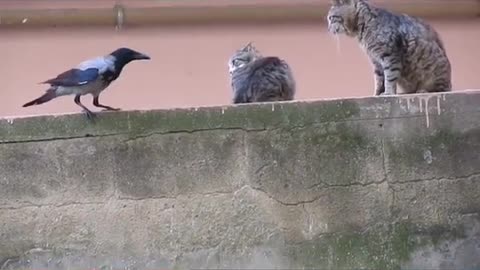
(141, 56)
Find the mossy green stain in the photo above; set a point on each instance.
(439, 233)
(342, 138)
(410, 151)
(377, 249)
(443, 138)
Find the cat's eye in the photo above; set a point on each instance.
(334, 17)
(237, 62)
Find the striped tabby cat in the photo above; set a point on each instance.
(404, 50)
(255, 78)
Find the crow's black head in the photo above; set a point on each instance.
(126, 55)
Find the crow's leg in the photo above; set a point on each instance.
(90, 114)
(107, 108)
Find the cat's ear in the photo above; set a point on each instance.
(249, 47)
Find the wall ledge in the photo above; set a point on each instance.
(248, 117)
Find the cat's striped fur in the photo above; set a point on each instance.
(404, 50)
(255, 78)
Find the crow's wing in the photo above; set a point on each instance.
(74, 77)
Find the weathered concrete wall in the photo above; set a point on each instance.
(380, 182)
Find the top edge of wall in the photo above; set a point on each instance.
(255, 116)
(26, 13)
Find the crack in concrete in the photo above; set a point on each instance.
(125, 198)
(261, 168)
(213, 193)
(354, 184)
(175, 196)
(384, 155)
(299, 203)
(34, 205)
(296, 203)
(143, 136)
(50, 139)
(185, 131)
(456, 178)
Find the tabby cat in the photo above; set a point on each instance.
(255, 78)
(404, 50)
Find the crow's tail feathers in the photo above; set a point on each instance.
(49, 95)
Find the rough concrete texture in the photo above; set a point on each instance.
(377, 182)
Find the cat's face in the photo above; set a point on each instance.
(242, 57)
(341, 17)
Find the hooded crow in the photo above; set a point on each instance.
(89, 77)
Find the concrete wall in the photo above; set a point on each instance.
(379, 182)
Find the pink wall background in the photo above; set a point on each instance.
(189, 63)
